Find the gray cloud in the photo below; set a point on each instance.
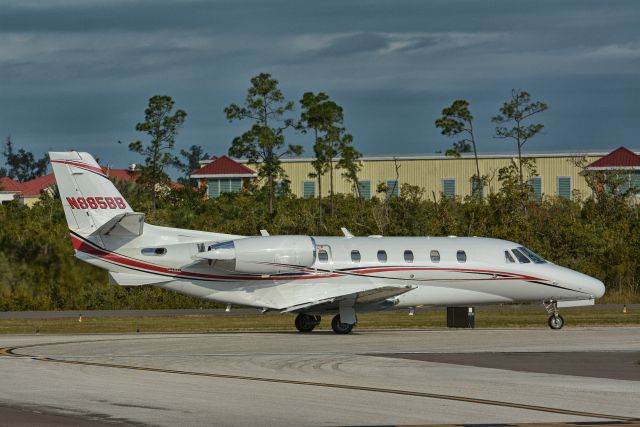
(76, 73)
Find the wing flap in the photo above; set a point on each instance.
(364, 297)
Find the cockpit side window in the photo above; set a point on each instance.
(508, 258)
(533, 256)
(520, 256)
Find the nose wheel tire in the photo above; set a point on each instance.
(556, 321)
(306, 322)
(339, 327)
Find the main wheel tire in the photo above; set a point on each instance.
(556, 321)
(339, 327)
(306, 323)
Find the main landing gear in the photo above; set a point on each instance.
(306, 322)
(555, 320)
(339, 327)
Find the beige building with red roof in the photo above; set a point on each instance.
(558, 174)
(223, 175)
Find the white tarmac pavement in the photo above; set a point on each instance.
(141, 390)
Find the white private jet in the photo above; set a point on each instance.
(308, 275)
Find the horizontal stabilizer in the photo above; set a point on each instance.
(126, 224)
(127, 279)
(364, 297)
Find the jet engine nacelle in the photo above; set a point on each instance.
(264, 255)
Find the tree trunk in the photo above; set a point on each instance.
(331, 184)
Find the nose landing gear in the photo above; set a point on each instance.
(555, 320)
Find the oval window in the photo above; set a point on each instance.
(461, 256)
(382, 256)
(408, 256)
(435, 256)
(154, 251)
(355, 256)
(323, 256)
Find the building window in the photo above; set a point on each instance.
(564, 187)
(408, 256)
(461, 256)
(217, 186)
(308, 189)
(382, 256)
(435, 256)
(536, 184)
(355, 256)
(449, 188)
(365, 189)
(393, 188)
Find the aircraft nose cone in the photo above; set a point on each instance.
(596, 287)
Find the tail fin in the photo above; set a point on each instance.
(91, 202)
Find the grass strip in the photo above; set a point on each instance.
(269, 322)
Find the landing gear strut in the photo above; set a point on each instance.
(339, 327)
(555, 320)
(306, 322)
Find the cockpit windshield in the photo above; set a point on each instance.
(533, 256)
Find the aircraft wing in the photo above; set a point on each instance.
(364, 297)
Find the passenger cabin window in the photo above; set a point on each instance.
(533, 256)
(520, 256)
(461, 256)
(408, 256)
(382, 256)
(154, 251)
(323, 256)
(508, 258)
(355, 256)
(435, 256)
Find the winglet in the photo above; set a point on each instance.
(346, 233)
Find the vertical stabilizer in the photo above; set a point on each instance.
(89, 198)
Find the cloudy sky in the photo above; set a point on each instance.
(78, 73)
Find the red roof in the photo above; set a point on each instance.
(37, 185)
(222, 166)
(121, 174)
(619, 158)
(7, 184)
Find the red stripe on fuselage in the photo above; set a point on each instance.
(90, 249)
(466, 270)
(81, 166)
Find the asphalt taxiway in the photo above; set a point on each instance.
(366, 378)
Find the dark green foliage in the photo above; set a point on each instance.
(598, 237)
(22, 166)
(191, 162)
(516, 113)
(162, 127)
(263, 143)
(457, 121)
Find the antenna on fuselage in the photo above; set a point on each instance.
(346, 232)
